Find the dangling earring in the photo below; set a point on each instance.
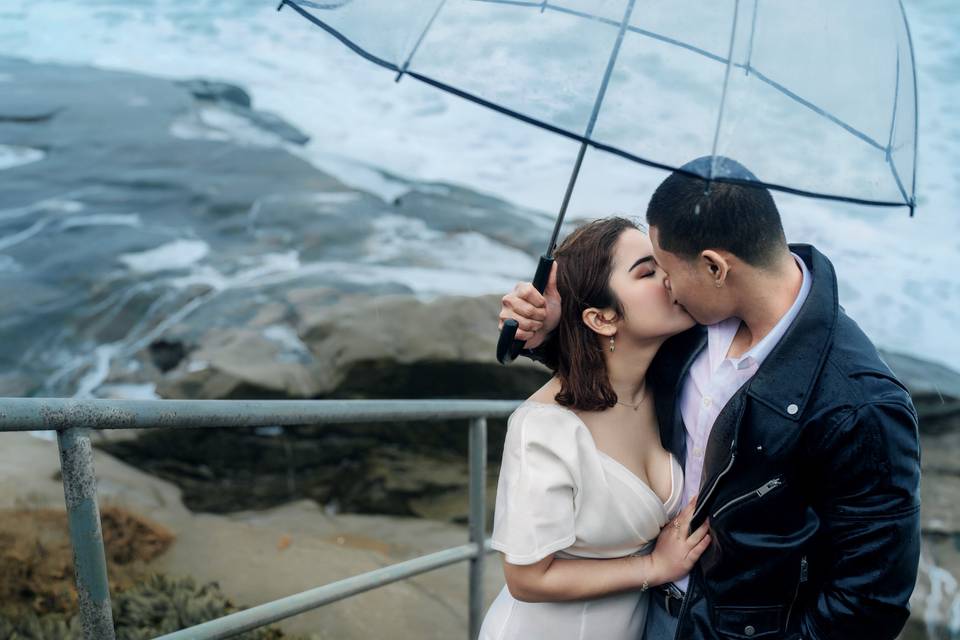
(611, 344)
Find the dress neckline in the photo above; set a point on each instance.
(626, 470)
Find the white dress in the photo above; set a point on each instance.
(559, 494)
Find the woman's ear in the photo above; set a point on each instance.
(600, 321)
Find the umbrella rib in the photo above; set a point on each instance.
(896, 100)
(601, 93)
(896, 177)
(916, 123)
(819, 111)
(893, 123)
(723, 94)
(609, 70)
(360, 51)
(753, 29)
(575, 136)
(423, 34)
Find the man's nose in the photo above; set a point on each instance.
(666, 284)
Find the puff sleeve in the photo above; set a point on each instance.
(537, 491)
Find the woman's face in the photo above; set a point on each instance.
(637, 282)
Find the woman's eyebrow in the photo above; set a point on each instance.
(639, 262)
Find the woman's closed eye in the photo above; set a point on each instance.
(647, 270)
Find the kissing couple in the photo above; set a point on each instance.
(721, 453)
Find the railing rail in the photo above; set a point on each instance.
(74, 419)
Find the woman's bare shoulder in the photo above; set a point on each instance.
(547, 394)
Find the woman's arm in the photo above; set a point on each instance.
(560, 579)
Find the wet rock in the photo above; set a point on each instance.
(241, 363)
(935, 390)
(237, 101)
(218, 92)
(941, 503)
(166, 354)
(399, 346)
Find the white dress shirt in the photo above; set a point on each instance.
(714, 378)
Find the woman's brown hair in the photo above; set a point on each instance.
(584, 264)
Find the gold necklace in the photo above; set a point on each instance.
(636, 407)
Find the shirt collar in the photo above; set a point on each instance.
(720, 335)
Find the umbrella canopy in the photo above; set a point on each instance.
(816, 98)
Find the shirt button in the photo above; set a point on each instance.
(707, 401)
(749, 630)
(792, 409)
(698, 452)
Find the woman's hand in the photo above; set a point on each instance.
(676, 552)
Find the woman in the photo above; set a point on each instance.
(586, 488)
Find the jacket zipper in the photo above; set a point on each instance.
(686, 595)
(803, 578)
(758, 492)
(702, 500)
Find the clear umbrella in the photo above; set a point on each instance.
(816, 98)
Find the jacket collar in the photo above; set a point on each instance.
(667, 372)
(785, 380)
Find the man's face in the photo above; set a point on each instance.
(691, 285)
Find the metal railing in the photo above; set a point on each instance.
(74, 419)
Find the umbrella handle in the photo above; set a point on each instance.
(508, 348)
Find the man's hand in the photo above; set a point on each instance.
(536, 314)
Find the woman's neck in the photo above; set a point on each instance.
(627, 368)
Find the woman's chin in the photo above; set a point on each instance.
(683, 318)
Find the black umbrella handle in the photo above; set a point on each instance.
(508, 347)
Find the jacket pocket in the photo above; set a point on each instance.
(748, 622)
(759, 492)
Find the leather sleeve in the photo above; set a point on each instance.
(547, 353)
(869, 461)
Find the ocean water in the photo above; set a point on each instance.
(898, 275)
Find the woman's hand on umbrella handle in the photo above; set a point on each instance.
(537, 314)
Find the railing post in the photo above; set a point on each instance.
(478, 519)
(83, 515)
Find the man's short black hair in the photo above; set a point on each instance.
(692, 216)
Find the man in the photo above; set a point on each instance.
(801, 443)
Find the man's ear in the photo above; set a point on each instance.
(600, 321)
(717, 266)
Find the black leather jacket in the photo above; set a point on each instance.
(811, 482)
